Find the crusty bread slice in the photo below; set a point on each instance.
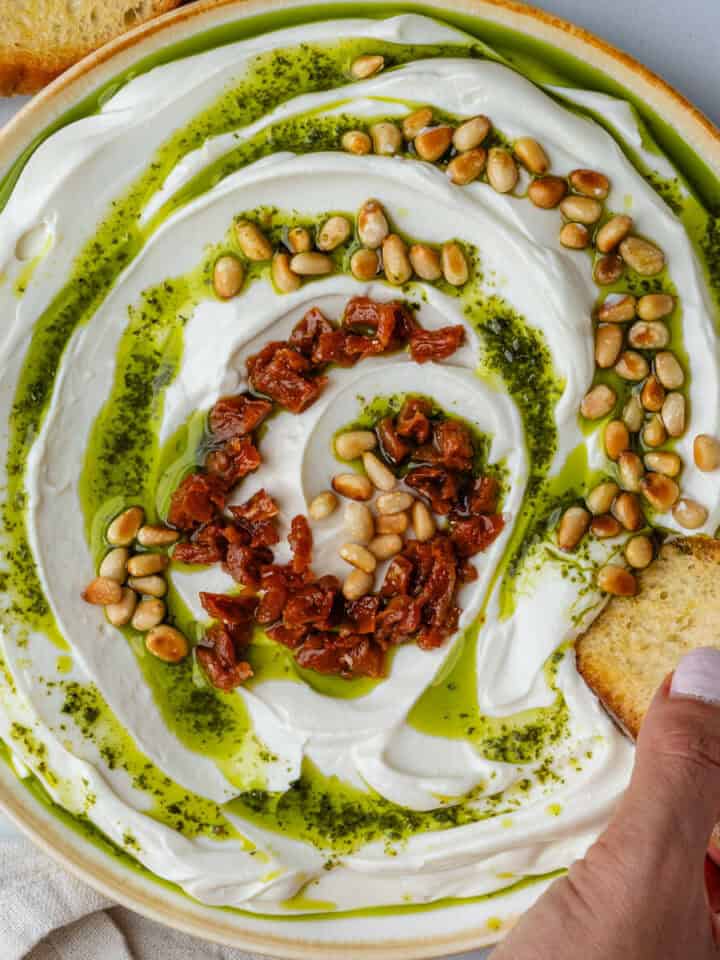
(637, 641)
(41, 38)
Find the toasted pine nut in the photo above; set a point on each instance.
(654, 433)
(613, 232)
(386, 546)
(425, 261)
(353, 486)
(386, 138)
(367, 65)
(157, 535)
(395, 260)
(642, 256)
(124, 528)
(415, 122)
(119, 614)
(311, 264)
(617, 308)
(626, 507)
(252, 241)
(661, 492)
(114, 565)
(454, 264)
(471, 133)
(358, 522)
(632, 366)
(617, 438)
(152, 586)
(354, 443)
(380, 476)
(394, 502)
(228, 276)
(393, 522)
(652, 395)
(531, 155)
(144, 564)
(323, 505)
(706, 453)
(299, 240)
(630, 470)
(649, 335)
(573, 526)
(605, 526)
(357, 142)
(600, 499)
(364, 264)
(167, 643)
(547, 192)
(598, 402)
(662, 461)
(673, 414)
(655, 306)
(668, 370)
(689, 513)
(502, 173)
(433, 142)
(333, 233)
(102, 591)
(590, 183)
(285, 279)
(582, 209)
(148, 614)
(423, 522)
(466, 167)
(357, 584)
(607, 270)
(574, 236)
(372, 224)
(608, 344)
(617, 580)
(639, 552)
(357, 556)
(633, 414)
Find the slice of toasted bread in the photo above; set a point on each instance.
(41, 38)
(637, 641)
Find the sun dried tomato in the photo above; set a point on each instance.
(483, 497)
(362, 614)
(284, 375)
(399, 620)
(439, 583)
(244, 564)
(218, 656)
(229, 608)
(437, 484)
(198, 499)
(391, 444)
(413, 419)
(210, 542)
(312, 603)
(287, 637)
(397, 577)
(382, 326)
(435, 344)
(274, 597)
(237, 416)
(452, 446)
(260, 506)
(233, 461)
(306, 331)
(473, 534)
(300, 540)
(321, 653)
(335, 347)
(429, 638)
(200, 553)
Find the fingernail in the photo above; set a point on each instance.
(698, 675)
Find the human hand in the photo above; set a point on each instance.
(647, 888)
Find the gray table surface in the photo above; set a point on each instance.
(681, 44)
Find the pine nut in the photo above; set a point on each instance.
(630, 470)
(393, 522)
(149, 613)
(152, 586)
(119, 614)
(573, 526)
(299, 240)
(283, 277)
(582, 209)
(617, 438)
(372, 224)
(642, 256)
(673, 414)
(394, 502)
(600, 499)
(662, 461)
(114, 565)
(364, 264)
(357, 584)
(617, 580)
(617, 308)
(454, 265)
(639, 552)
(353, 486)
(358, 522)
(157, 535)
(590, 183)
(607, 270)
(652, 395)
(124, 528)
(386, 138)
(598, 402)
(367, 65)
(668, 370)
(689, 514)
(467, 167)
(102, 591)
(425, 262)
(433, 142)
(649, 335)
(357, 142)
(531, 155)
(423, 521)
(613, 232)
(655, 306)
(547, 192)
(228, 276)
(145, 564)
(395, 260)
(414, 123)
(380, 476)
(322, 505)
(386, 546)
(632, 366)
(608, 344)
(252, 241)
(574, 236)
(605, 526)
(471, 133)
(633, 414)
(166, 643)
(333, 233)
(660, 491)
(706, 453)
(311, 264)
(502, 173)
(357, 556)
(626, 508)
(654, 434)
(353, 443)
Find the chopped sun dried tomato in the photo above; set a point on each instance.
(284, 375)
(413, 420)
(237, 416)
(244, 564)
(287, 637)
(334, 347)
(198, 499)
(473, 534)
(391, 443)
(435, 344)
(229, 608)
(218, 656)
(483, 497)
(274, 597)
(437, 484)
(452, 446)
(362, 614)
(306, 331)
(397, 577)
(260, 506)
(321, 653)
(300, 540)
(312, 603)
(399, 620)
(233, 461)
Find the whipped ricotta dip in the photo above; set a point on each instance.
(469, 772)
